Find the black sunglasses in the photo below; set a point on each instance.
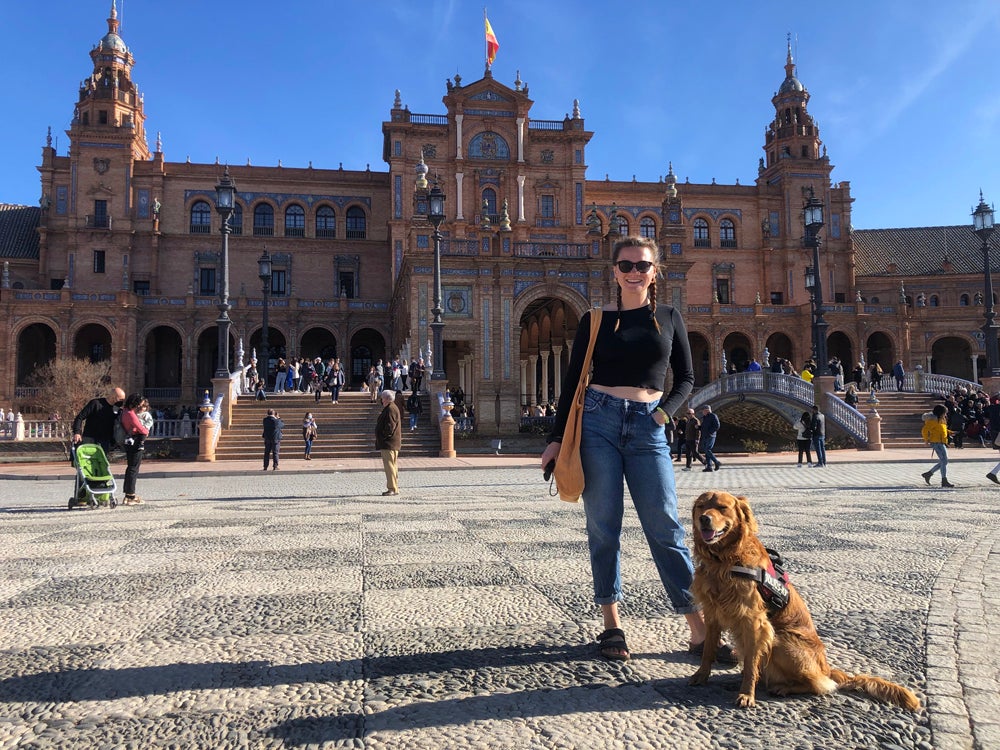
(626, 266)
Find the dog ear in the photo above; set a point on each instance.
(745, 514)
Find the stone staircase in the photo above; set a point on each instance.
(346, 429)
(901, 416)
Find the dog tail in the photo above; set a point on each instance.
(877, 688)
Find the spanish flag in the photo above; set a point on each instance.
(492, 45)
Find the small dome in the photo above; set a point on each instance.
(113, 42)
(791, 84)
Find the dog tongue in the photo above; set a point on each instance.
(708, 534)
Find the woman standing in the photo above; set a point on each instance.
(335, 379)
(623, 437)
(309, 432)
(137, 429)
(935, 432)
(803, 437)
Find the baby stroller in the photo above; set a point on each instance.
(94, 484)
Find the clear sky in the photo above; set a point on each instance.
(906, 93)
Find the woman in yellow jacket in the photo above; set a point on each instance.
(935, 432)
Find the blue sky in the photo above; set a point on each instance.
(906, 92)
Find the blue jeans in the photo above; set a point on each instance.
(707, 444)
(619, 439)
(413, 420)
(819, 443)
(941, 449)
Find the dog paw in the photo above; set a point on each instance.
(700, 677)
(745, 700)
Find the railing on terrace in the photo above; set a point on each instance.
(545, 125)
(789, 386)
(23, 391)
(940, 385)
(162, 394)
(459, 247)
(852, 420)
(536, 424)
(41, 429)
(551, 250)
(429, 119)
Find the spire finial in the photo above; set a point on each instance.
(114, 11)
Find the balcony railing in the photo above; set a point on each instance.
(295, 232)
(551, 250)
(356, 234)
(545, 125)
(459, 247)
(263, 231)
(98, 222)
(326, 234)
(200, 229)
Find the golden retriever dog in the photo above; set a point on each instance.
(779, 646)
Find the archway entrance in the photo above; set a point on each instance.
(92, 342)
(779, 346)
(367, 347)
(208, 356)
(163, 365)
(880, 350)
(548, 327)
(701, 357)
(318, 342)
(737, 348)
(276, 348)
(36, 347)
(839, 346)
(952, 356)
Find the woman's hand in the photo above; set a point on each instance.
(551, 453)
(659, 417)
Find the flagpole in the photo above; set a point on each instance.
(486, 42)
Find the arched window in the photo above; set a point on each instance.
(295, 221)
(356, 223)
(201, 218)
(490, 204)
(963, 301)
(263, 220)
(326, 222)
(935, 302)
(701, 233)
(622, 225)
(236, 220)
(727, 233)
(647, 227)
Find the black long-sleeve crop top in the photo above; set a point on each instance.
(635, 355)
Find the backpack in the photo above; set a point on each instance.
(120, 434)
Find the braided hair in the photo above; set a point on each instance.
(649, 244)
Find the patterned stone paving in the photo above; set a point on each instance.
(307, 611)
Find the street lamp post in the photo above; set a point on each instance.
(225, 203)
(435, 215)
(982, 225)
(264, 273)
(812, 216)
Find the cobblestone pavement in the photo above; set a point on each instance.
(299, 609)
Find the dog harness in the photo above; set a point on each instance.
(771, 581)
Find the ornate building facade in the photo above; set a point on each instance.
(122, 259)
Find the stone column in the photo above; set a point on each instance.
(520, 198)
(557, 369)
(459, 181)
(532, 380)
(524, 383)
(206, 438)
(458, 136)
(975, 368)
(874, 421)
(545, 375)
(225, 387)
(520, 140)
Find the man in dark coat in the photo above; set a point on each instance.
(272, 437)
(389, 439)
(96, 421)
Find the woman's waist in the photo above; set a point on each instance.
(628, 393)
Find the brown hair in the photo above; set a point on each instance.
(647, 243)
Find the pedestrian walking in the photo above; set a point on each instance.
(136, 421)
(692, 434)
(389, 439)
(710, 425)
(310, 431)
(935, 434)
(414, 407)
(899, 374)
(818, 427)
(272, 438)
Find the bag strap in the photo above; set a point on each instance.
(595, 326)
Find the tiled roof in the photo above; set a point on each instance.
(18, 235)
(922, 251)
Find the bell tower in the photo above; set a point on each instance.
(793, 135)
(110, 107)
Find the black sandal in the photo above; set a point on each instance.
(613, 646)
(724, 654)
